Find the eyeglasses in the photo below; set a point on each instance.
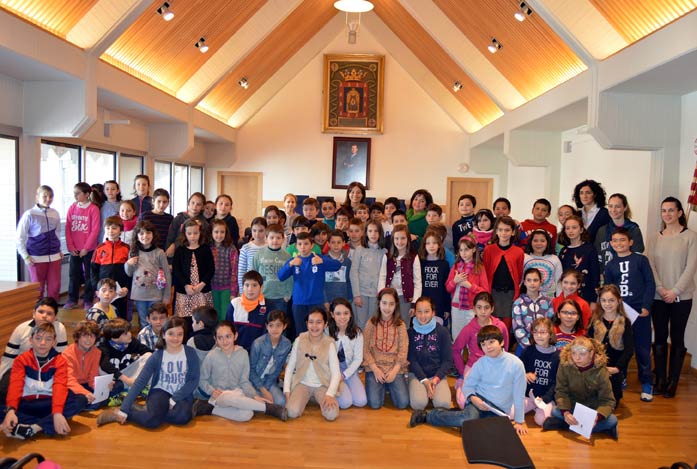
(569, 313)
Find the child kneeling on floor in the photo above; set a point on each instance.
(225, 379)
(38, 399)
(496, 382)
(173, 374)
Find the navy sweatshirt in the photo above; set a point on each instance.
(434, 275)
(430, 354)
(583, 258)
(632, 275)
(544, 365)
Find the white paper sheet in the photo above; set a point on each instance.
(632, 313)
(585, 416)
(101, 387)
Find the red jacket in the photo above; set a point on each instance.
(477, 279)
(513, 256)
(29, 382)
(531, 225)
(82, 367)
(108, 262)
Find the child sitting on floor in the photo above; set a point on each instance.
(268, 356)
(205, 318)
(83, 359)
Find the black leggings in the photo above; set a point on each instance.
(671, 317)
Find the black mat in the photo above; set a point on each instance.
(494, 441)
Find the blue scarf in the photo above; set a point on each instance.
(425, 328)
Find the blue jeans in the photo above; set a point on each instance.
(602, 425)
(300, 313)
(158, 412)
(455, 417)
(399, 392)
(642, 348)
(142, 308)
(39, 411)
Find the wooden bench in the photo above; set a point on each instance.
(17, 300)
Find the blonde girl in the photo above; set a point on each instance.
(611, 327)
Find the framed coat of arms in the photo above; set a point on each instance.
(353, 91)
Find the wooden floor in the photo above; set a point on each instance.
(651, 435)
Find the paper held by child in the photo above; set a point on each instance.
(585, 416)
(632, 313)
(492, 407)
(101, 387)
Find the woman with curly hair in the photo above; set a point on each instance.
(589, 197)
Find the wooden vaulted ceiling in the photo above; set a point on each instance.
(256, 38)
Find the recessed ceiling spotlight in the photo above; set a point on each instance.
(201, 45)
(165, 12)
(494, 46)
(457, 86)
(524, 12)
(244, 83)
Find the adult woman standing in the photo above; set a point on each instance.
(589, 196)
(416, 215)
(673, 258)
(620, 214)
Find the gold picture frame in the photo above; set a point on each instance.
(353, 94)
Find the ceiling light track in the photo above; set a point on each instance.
(523, 13)
(165, 12)
(201, 45)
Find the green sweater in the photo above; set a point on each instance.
(267, 262)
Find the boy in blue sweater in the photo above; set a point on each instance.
(631, 272)
(498, 377)
(307, 269)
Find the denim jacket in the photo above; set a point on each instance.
(261, 353)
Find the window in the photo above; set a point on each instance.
(163, 179)
(180, 191)
(129, 167)
(100, 166)
(8, 207)
(60, 169)
(196, 179)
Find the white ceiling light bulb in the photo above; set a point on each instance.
(353, 6)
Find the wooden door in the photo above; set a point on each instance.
(245, 190)
(481, 188)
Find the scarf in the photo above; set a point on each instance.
(467, 267)
(425, 328)
(250, 305)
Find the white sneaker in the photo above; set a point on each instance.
(646, 397)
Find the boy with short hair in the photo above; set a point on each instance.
(343, 215)
(109, 260)
(310, 210)
(434, 214)
(328, 212)
(462, 227)
(103, 310)
(355, 233)
(248, 311)
(83, 357)
(337, 284)
(392, 204)
(38, 398)
(268, 356)
(204, 320)
(308, 271)
(496, 380)
(362, 213)
(300, 225)
(157, 315)
(377, 212)
(122, 355)
(158, 216)
(45, 310)
(632, 274)
(540, 211)
(267, 262)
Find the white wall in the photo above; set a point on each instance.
(11, 92)
(525, 185)
(688, 159)
(624, 171)
(421, 145)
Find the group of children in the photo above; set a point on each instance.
(356, 291)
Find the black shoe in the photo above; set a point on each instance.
(671, 389)
(614, 432)
(553, 423)
(278, 411)
(417, 418)
(201, 407)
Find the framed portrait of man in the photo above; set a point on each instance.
(350, 162)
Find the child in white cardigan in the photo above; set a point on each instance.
(349, 345)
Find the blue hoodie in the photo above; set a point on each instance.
(308, 279)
